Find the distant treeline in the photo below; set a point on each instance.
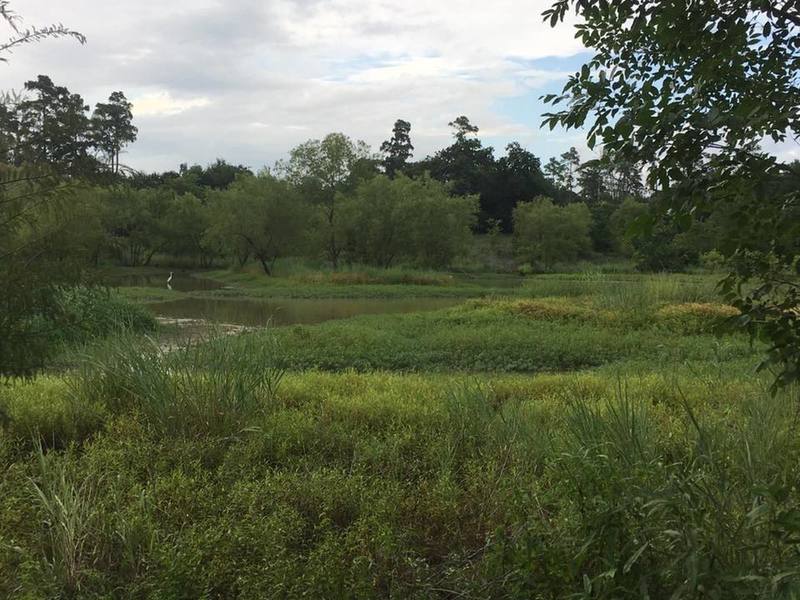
(336, 198)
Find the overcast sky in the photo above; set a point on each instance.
(246, 80)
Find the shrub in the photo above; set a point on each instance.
(90, 312)
(545, 233)
(713, 261)
(74, 316)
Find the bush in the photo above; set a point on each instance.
(73, 316)
(622, 222)
(713, 261)
(545, 233)
(86, 313)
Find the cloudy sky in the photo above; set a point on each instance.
(248, 79)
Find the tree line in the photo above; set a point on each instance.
(336, 198)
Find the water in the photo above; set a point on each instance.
(255, 313)
(181, 282)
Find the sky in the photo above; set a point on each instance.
(246, 80)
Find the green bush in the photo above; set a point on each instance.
(75, 316)
(713, 261)
(86, 313)
(545, 233)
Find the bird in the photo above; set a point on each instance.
(169, 280)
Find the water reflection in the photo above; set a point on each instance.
(287, 312)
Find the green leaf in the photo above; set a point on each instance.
(630, 562)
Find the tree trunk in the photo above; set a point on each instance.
(265, 265)
(333, 254)
(242, 258)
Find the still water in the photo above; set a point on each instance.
(289, 311)
(181, 282)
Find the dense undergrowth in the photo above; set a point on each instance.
(378, 485)
(76, 315)
(224, 469)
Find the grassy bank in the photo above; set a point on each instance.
(523, 335)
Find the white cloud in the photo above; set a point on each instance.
(162, 103)
(248, 79)
(787, 151)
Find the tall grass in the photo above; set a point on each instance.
(70, 512)
(428, 486)
(677, 480)
(619, 290)
(205, 387)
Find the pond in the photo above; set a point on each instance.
(255, 313)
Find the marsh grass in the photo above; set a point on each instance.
(404, 464)
(43, 413)
(355, 275)
(522, 335)
(205, 387)
(70, 512)
(583, 485)
(624, 291)
(619, 427)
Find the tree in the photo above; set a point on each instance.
(466, 166)
(591, 181)
(376, 221)
(545, 233)
(21, 36)
(8, 132)
(689, 90)
(220, 174)
(623, 223)
(264, 214)
(463, 128)
(515, 176)
(555, 171)
(572, 162)
(442, 223)
(137, 222)
(53, 129)
(623, 179)
(415, 220)
(186, 221)
(398, 149)
(29, 199)
(112, 127)
(320, 169)
(80, 231)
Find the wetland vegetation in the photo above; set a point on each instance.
(356, 375)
